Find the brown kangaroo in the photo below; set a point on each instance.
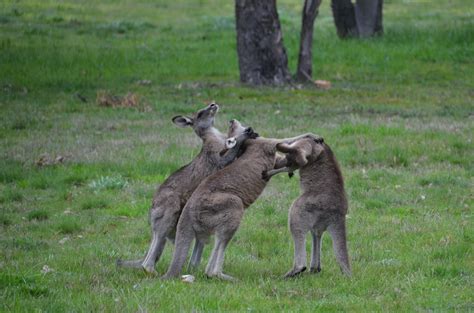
(218, 204)
(322, 204)
(173, 194)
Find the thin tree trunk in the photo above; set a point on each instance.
(344, 18)
(262, 55)
(305, 57)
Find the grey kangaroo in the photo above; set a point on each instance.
(173, 194)
(322, 204)
(218, 204)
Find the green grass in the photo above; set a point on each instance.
(38, 215)
(68, 226)
(399, 119)
(107, 182)
(94, 203)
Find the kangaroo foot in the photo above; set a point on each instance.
(150, 270)
(315, 269)
(192, 268)
(295, 272)
(168, 277)
(221, 276)
(346, 271)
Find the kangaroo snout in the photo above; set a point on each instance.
(213, 106)
(250, 133)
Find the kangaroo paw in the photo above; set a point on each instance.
(295, 272)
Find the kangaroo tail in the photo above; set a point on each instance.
(129, 263)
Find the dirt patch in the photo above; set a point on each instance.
(130, 100)
(46, 160)
(106, 99)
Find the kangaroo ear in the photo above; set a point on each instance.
(254, 136)
(301, 159)
(182, 121)
(284, 147)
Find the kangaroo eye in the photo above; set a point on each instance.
(200, 114)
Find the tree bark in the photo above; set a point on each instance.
(305, 57)
(262, 55)
(368, 14)
(378, 30)
(362, 20)
(344, 18)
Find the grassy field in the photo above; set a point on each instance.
(399, 118)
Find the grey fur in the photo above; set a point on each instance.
(217, 205)
(173, 194)
(321, 206)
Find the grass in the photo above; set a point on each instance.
(68, 226)
(107, 182)
(94, 203)
(399, 119)
(38, 215)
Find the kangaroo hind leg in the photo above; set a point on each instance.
(216, 262)
(196, 255)
(315, 266)
(157, 246)
(337, 230)
(184, 237)
(153, 254)
(229, 221)
(299, 226)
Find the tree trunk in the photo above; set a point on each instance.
(262, 55)
(305, 57)
(344, 18)
(362, 20)
(368, 14)
(378, 30)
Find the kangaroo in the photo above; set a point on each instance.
(173, 194)
(322, 204)
(218, 204)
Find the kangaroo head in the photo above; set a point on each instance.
(237, 133)
(246, 133)
(235, 128)
(301, 152)
(201, 121)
